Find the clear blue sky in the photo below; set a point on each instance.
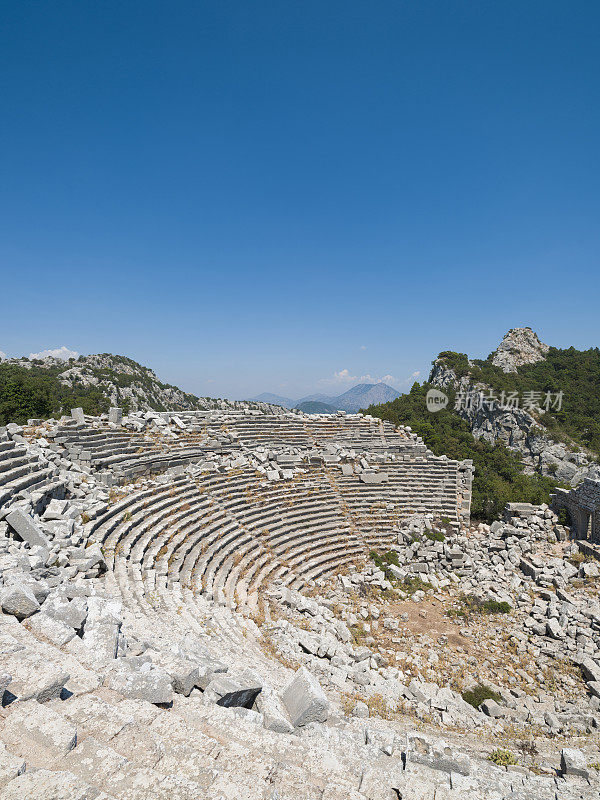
(255, 196)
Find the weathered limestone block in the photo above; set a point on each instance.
(78, 415)
(45, 627)
(27, 530)
(10, 766)
(31, 723)
(70, 612)
(102, 626)
(574, 762)
(115, 415)
(591, 669)
(55, 509)
(45, 784)
(184, 674)
(19, 601)
(273, 712)
(152, 685)
(33, 677)
(208, 668)
(305, 700)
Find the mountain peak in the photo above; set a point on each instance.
(519, 346)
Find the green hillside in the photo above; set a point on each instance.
(574, 372)
(37, 392)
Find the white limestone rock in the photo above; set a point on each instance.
(18, 600)
(146, 683)
(25, 527)
(45, 784)
(32, 724)
(11, 766)
(305, 700)
(45, 627)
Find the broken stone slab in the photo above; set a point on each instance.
(146, 683)
(40, 588)
(274, 714)
(95, 761)
(374, 477)
(590, 669)
(492, 709)
(45, 784)
(18, 600)
(208, 668)
(184, 675)
(55, 510)
(437, 756)
(25, 527)
(102, 626)
(554, 630)
(72, 613)
(574, 762)
(305, 700)
(31, 723)
(225, 691)
(594, 687)
(11, 766)
(92, 557)
(45, 627)
(34, 678)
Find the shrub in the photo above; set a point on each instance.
(472, 605)
(564, 517)
(383, 562)
(502, 758)
(475, 697)
(435, 536)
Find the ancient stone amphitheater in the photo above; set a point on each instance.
(142, 561)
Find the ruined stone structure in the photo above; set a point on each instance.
(189, 609)
(583, 506)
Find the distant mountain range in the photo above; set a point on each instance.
(360, 396)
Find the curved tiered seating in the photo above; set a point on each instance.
(227, 533)
(20, 471)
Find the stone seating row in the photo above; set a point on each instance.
(22, 472)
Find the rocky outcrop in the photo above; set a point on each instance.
(519, 346)
(515, 428)
(126, 383)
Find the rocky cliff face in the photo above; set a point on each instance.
(516, 428)
(519, 346)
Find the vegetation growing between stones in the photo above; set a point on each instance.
(472, 605)
(499, 478)
(475, 697)
(502, 758)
